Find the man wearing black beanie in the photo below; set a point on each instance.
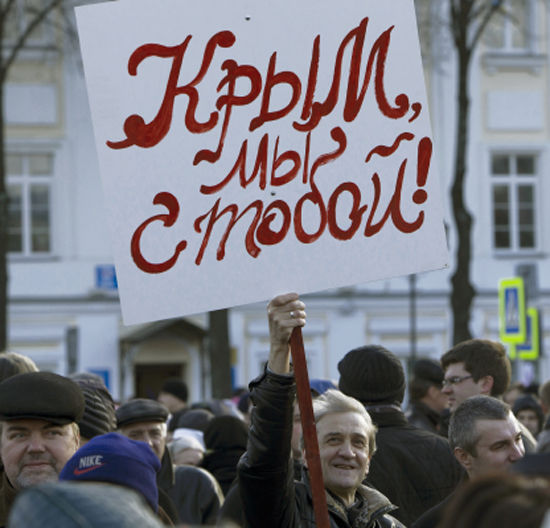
(414, 468)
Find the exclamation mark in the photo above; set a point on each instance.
(424, 158)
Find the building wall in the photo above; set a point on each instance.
(56, 307)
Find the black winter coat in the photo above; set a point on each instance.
(414, 468)
(270, 496)
(421, 416)
(194, 493)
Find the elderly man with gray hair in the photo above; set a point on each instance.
(346, 436)
(485, 437)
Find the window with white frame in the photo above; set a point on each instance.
(511, 29)
(29, 181)
(514, 190)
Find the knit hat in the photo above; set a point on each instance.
(372, 374)
(176, 387)
(428, 370)
(41, 396)
(86, 505)
(116, 459)
(141, 410)
(99, 414)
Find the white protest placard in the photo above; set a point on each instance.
(249, 148)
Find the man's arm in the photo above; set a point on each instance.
(284, 313)
(266, 471)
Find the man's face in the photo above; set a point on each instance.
(344, 453)
(499, 446)
(152, 433)
(35, 451)
(529, 418)
(459, 385)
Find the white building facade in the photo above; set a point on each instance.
(63, 305)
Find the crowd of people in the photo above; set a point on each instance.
(470, 450)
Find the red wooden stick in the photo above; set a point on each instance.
(308, 429)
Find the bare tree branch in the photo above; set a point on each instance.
(495, 6)
(5, 10)
(453, 8)
(39, 17)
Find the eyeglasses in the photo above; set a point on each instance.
(454, 380)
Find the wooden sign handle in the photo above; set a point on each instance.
(308, 429)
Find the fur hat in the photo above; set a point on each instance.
(372, 374)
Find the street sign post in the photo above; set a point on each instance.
(528, 350)
(512, 314)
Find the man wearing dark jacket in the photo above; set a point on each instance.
(346, 435)
(414, 468)
(194, 493)
(486, 438)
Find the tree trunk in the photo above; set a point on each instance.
(462, 293)
(220, 360)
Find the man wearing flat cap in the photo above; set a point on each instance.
(38, 415)
(189, 493)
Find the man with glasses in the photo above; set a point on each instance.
(474, 367)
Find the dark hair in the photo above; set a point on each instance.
(502, 500)
(482, 357)
(462, 428)
(544, 393)
(176, 387)
(418, 388)
(426, 373)
(527, 402)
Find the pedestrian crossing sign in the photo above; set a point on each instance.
(512, 313)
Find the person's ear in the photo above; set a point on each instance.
(464, 458)
(486, 384)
